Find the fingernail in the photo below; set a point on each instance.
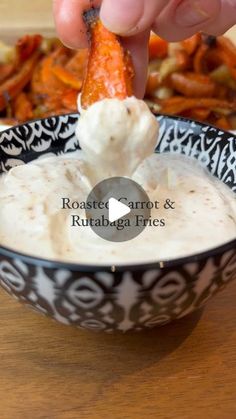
(122, 16)
(193, 12)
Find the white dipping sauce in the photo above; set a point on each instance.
(32, 220)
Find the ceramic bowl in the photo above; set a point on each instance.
(131, 297)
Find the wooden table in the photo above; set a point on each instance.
(184, 370)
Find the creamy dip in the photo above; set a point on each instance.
(118, 139)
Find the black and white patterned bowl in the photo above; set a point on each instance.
(132, 297)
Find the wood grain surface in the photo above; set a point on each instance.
(184, 370)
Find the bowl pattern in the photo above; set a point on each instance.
(123, 297)
(109, 301)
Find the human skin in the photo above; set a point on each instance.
(134, 19)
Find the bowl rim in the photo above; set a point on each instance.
(145, 266)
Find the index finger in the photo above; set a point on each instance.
(68, 16)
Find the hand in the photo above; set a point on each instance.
(134, 19)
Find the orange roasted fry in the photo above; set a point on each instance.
(23, 108)
(223, 123)
(182, 60)
(110, 71)
(27, 45)
(213, 59)
(201, 114)
(69, 100)
(51, 83)
(77, 64)
(190, 44)
(198, 60)
(178, 105)
(158, 47)
(47, 82)
(193, 84)
(6, 70)
(180, 82)
(233, 72)
(13, 86)
(67, 77)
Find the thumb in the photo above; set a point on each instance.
(182, 18)
(129, 17)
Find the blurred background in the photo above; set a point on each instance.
(25, 16)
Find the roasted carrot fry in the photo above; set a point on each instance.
(182, 60)
(67, 77)
(190, 45)
(13, 86)
(223, 123)
(158, 47)
(193, 84)
(198, 61)
(178, 105)
(35, 83)
(23, 108)
(69, 100)
(233, 72)
(213, 59)
(110, 71)
(200, 114)
(49, 83)
(77, 64)
(6, 70)
(181, 78)
(27, 45)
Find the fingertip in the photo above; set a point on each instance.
(182, 19)
(68, 16)
(121, 16)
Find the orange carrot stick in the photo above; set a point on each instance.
(178, 104)
(190, 44)
(67, 77)
(198, 60)
(158, 47)
(77, 64)
(13, 86)
(27, 45)
(6, 70)
(23, 108)
(69, 100)
(223, 123)
(110, 71)
(193, 84)
(201, 114)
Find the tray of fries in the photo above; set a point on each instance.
(196, 78)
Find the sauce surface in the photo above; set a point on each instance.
(118, 138)
(32, 220)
